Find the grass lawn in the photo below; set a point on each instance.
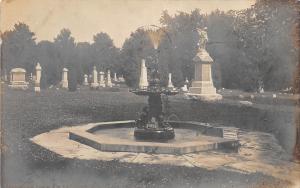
(25, 114)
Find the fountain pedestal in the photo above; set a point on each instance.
(151, 124)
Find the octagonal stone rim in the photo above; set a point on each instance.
(104, 143)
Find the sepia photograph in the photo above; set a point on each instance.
(150, 93)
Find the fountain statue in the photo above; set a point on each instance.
(151, 124)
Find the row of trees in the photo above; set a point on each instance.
(19, 49)
(252, 48)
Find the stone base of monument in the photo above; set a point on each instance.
(94, 86)
(204, 97)
(37, 89)
(102, 84)
(64, 84)
(204, 91)
(18, 85)
(119, 137)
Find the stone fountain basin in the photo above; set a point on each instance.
(190, 137)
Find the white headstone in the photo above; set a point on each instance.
(115, 77)
(101, 79)
(261, 90)
(170, 84)
(64, 81)
(18, 79)
(143, 76)
(184, 88)
(85, 82)
(186, 80)
(38, 74)
(108, 79)
(121, 79)
(94, 84)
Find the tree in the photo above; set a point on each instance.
(180, 46)
(264, 32)
(104, 53)
(18, 47)
(84, 57)
(65, 45)
(48, 56)
(134, 49)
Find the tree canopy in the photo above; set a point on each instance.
(251, 48)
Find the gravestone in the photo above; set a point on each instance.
(108, 79)
(101, 79)
(38, 70)
(184, 88)
(64, 81)
(85, 82)
(94, 84)
(115, 77)
(170, 84)
(202, 86)
(121, 79)
(143, 76)
(18, 79)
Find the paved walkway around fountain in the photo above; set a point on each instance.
(260, 152)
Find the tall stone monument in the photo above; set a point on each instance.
(202, 86)
(143, 76)
(85, 81)
(64, 81)
(108, 79)
(101, 79)
(94, 84)
(38, 70)
(170, 84)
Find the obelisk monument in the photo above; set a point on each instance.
(143, 76)
(37, 83)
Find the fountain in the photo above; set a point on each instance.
(152, 125)
(152, 132)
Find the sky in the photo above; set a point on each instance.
(85, 18)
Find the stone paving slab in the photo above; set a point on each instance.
(162, 159)
(58, 142)
(209, 161)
